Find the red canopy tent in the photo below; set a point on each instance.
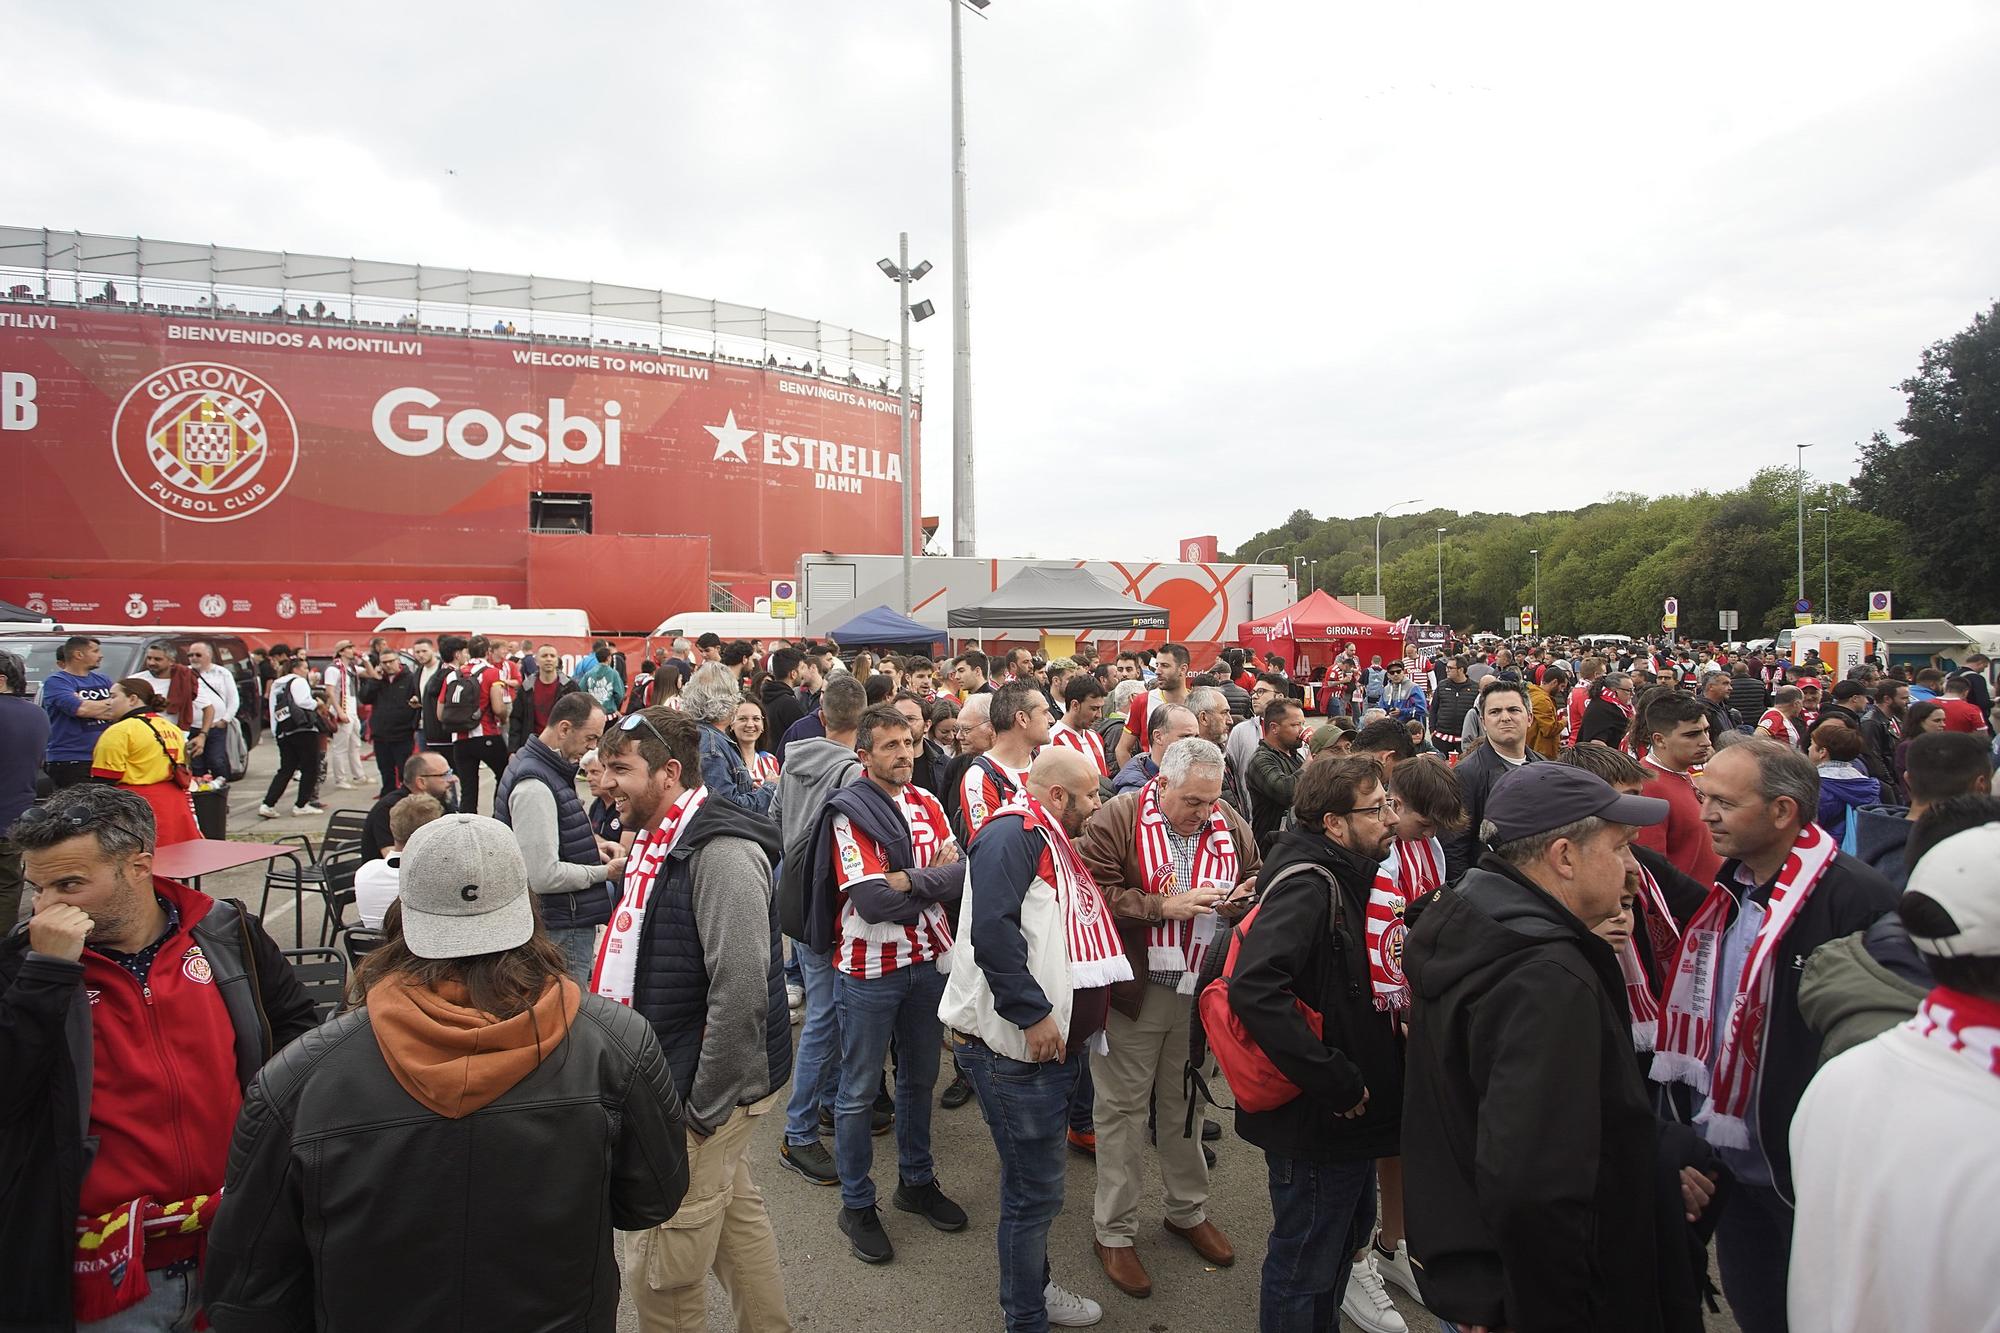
(1310, 632)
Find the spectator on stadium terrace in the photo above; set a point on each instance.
(479, 725)
(885, 873)
(1455, 698)
(1170, 723)
(1029, 987)
(1844, 786)
(1960, 712)
(1275, 768)
(377, 882)
(146, 754)
(1784, 890)
(1923, 719)
(535, 697)
(1941, 766)
(1608, 715)
(710, 701)
(1503, 719)
(1083, 708)
(580, 1117)
(819, 765)
(746, 729)
(1932, 1176)
(1241, 744)
(294, 720)
(1170, 686)
(1021, 723)
(425, 773)
(211, 757)
(693, 945)
(24, 737)
(1163, 855)
(782, 706)
(1322, 1145)
(568, 869)
(132, 1012)
(1676, 728)
(1545, 1217)
(342, 681)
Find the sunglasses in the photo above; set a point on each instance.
(634, 721)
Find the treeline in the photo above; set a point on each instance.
(1918, 521)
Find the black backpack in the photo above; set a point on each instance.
(458, 703)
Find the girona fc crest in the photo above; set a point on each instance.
(205, 442)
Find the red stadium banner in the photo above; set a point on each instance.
(175, 458)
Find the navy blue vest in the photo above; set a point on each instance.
(575, 842)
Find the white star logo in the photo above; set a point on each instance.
(729, 439)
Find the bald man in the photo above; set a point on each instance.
(1035, 952)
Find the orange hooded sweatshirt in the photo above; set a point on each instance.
(456, 1059)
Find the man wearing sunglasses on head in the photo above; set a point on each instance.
(133, 1011)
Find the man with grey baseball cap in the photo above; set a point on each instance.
(1529, 1140)
(473, 1075)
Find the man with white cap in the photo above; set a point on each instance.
(519, 1119)
(1901, 1135)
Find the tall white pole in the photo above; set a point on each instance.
(1441, 532)
(1802, 522)
(963, 521)
(909, 477)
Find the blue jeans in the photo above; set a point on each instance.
(1320, 1215)
(579, 947)
(1753, 1255)
(1027, 1108)
(904, 1005)
(816, 1066)
(1082, 1101)
(170, 1307)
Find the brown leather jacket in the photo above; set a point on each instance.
(1110, 850)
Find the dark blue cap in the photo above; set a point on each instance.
(1538, 797)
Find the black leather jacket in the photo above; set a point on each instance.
(350, 1206)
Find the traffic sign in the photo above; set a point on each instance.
(1880, 605)
(1802, 611)
(784, 599)
(1672, 619)
(1727, 621)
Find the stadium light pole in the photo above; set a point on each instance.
(1802, 520)
(962, 514)
(903, 275)
(1441, 533)
(1378, 541)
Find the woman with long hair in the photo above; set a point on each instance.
(1608, 715)
(145, 753)
(944, 724)
(746, 729)
(1924, 715)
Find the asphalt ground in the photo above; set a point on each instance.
(937, 1281)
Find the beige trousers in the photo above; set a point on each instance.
(1147, 1057)
(722, 1226)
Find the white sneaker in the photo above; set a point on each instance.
(1396, 1268)
(308, 810)
(1069, 1310)
(1367, 1302)
(795, 995)
(266, 812)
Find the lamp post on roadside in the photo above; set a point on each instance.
(1825, 560)
(1537, 604)
(1378, 541)
(1441, 533)
(900, 273)
(1802, 521)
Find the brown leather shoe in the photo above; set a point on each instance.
(1122, 1266)
(1207, 1241)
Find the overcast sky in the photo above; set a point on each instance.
(1318, 255)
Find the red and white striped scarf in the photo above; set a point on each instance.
(1688, 1049)
(1178, 946)
(616, 971)
(1096, 954)
(1410, 870)
(1087, 743)
(1781, 727)
(1963, 1024)
(1664, 934)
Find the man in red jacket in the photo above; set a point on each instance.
(133, 1011)
(1678, 727)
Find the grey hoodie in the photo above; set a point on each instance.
(815, 768)
(1877, 834)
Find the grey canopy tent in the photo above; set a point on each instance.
(1039, 598)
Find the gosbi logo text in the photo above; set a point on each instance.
(205, 442)
(835, 467)
(405, 424)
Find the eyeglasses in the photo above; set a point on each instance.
(633, 721)
(1390, 803)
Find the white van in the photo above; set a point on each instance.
(725, 625)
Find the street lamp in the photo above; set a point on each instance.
(1312, 574)
(1825, 560)
(1258, 559)
(1378, 541)
(903, 275)
(1802, 520)
(1538, 589)
(962, 517)
(1441, 533)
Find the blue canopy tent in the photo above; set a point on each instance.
(884, 628)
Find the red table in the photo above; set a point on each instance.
(189, 861)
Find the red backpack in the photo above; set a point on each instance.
(1257, 1083)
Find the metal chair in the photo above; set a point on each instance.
(326, 871)
(323, 974)
(361, 942)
